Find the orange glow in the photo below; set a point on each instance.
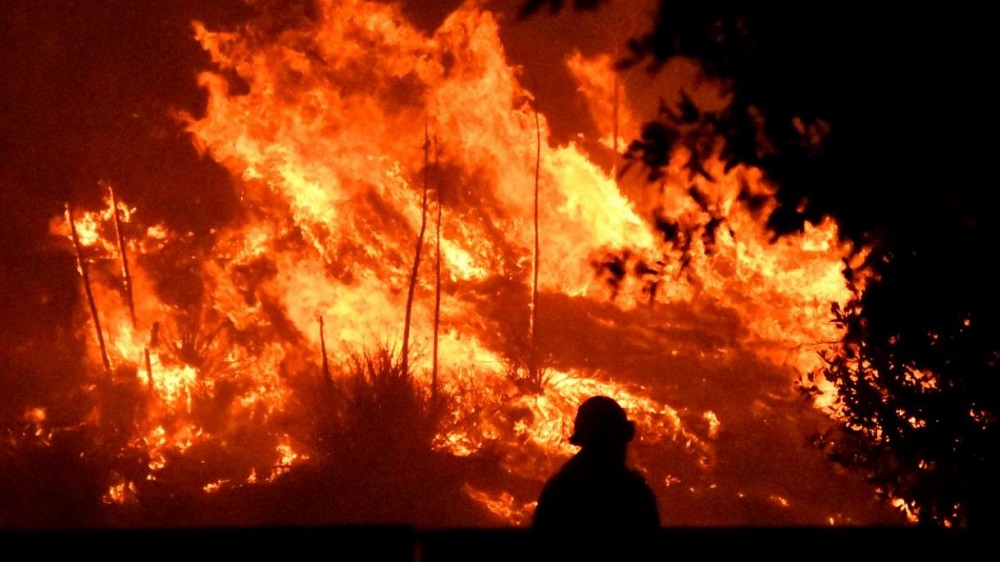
(214, 486)
(35, 428)
(779, 500)
(286, 457)
(325, 150)
(35, 415)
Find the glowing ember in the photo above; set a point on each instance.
(504, 505)
(120, 493)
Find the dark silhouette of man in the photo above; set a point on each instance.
(595, 491)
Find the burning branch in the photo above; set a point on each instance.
(127, 277)
(81, 266)
(120, 235)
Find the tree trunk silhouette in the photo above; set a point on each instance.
(437, 279)
(127, 279)
(416, 263)
(533, 370)
(322, 347)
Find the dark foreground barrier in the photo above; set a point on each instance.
(404, 543)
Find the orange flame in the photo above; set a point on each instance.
(326, 145)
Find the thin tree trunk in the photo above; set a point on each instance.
(153, 336)
(126, 277)
(416, 262)
(81, 266)
(533, 370)
(437, 278)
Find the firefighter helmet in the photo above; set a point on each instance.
(601, 420)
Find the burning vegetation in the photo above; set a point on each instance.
(418, 288)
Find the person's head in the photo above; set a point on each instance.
(601, 422)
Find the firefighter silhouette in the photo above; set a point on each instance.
(595, 489)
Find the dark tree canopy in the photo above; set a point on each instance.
(875, 114)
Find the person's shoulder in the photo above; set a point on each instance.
(559, 480)
(639, 483)
(636, 476)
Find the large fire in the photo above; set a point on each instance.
(351, 133)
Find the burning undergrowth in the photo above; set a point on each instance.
(226, 375)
